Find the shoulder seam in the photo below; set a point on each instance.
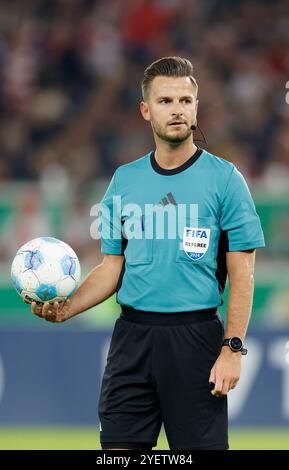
(143, 157)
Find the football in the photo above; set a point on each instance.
(45, 269)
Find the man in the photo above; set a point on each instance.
(169, 360)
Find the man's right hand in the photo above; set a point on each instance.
(55, 312)
(99, 285)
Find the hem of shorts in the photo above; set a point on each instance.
(139, 440)
(220, 446)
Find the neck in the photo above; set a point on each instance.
(169, 156)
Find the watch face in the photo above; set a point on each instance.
(236, 343)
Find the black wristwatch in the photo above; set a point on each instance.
(236, 345)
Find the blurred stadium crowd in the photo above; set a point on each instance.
(70, 73)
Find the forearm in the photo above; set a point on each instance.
(226, 371)
(98, 286)
(240, 303)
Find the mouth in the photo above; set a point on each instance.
(176, 123)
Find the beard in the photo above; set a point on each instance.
(179, 137)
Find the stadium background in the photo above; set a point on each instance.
(69, 93)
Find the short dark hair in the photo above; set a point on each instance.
(167, 67)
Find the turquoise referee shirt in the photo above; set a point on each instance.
(174, 228)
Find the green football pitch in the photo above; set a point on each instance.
(12, 438)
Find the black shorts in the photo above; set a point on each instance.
(157, 371)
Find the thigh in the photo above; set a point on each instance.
(129, 407)
(193, 417)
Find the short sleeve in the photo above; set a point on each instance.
(110, 221)
(239, 218)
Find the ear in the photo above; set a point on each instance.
(144, 109)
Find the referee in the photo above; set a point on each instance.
(170, 360)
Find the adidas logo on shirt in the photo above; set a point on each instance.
(169, 199)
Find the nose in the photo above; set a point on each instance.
(177, 110)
